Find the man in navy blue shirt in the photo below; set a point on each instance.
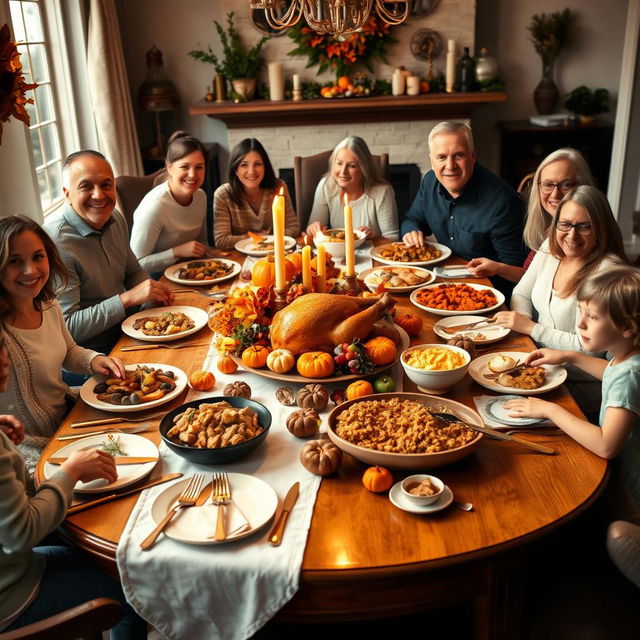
(467, 208)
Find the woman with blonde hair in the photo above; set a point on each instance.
(561, 171)
(353, 171)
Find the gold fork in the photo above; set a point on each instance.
(221, 496)
(137, 429)
(157, 345)
(187, 498)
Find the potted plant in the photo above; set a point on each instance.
(550, 34)
(587, 104)
(240, 65)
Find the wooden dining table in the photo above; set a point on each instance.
(367, 559)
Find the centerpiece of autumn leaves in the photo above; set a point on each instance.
(317, 334)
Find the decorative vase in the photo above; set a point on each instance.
(586, 120)
(244, 87)
(546, 93)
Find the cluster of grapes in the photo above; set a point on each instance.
(351, 358)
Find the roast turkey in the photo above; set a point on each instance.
(320, 321)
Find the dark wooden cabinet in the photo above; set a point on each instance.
(524, 146)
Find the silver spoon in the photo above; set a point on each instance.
(216, 295)
(465, 506)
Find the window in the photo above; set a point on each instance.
(44, 130)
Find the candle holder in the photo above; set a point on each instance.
(352, 284)
(280, 301)
(297, 95)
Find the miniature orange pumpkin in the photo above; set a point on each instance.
(380, 350)
(202, 380)
(358, 389)
(410, 323)
(255, 356)
(315, 364)
(226, 364)
(281, 360)
(377, 479)
(296, 259)
(263, 273)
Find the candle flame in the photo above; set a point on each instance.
(305, 239)
(346, 199)
(281, 191)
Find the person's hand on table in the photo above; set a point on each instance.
(413, 238)
(91, 464)
(547, 356)
(13, 428)
(314, 227)
(528, 408)
(107, 365)
(147, 291)
(483, 267)
(191, 249)
(515, 321)
(368, 233)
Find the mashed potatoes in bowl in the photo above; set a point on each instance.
(435, 367)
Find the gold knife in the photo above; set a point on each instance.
(507, 436)
(113, 420)
(145, 347)
(116, 496)
(118, 460)
(275, 537)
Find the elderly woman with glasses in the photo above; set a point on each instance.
(556, 175)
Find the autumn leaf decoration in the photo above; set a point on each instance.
(13, 87)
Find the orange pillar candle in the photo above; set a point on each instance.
(321, 270)
(278, 239)
(306, 269)
(349, 250)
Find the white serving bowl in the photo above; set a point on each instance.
(418, 478)
(435, 381)
(336, 249)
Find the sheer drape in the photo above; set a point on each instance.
(109, 90)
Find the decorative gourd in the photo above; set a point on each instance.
(237, 389)
(281, 361)
(321, 457)
(255, 356)
(410, 323)
(358, 389)
(464, 343)
(377, 479)
(380, 350)
(263, 273)
(226, 364)
(313, 396)
(202, 380)
(330, 269)
(315, 364)
(303, 423)
(296, 259)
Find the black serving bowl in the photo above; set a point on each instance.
(224, 454)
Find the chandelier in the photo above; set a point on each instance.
(336, 17)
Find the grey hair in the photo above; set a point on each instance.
(451, 126)
(538, 220)
(370, 169)
(76, 155)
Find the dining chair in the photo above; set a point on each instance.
(307, 171)
(87, 621)
(524, 188)
(131, 189)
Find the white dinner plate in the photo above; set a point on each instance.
(423, 273)
(87, 394)
(555, 375)
(130, 443)
(495, 408)
(445, 253)
(448, 312)
(196, 525)
(492, 332)
(245, 246)
(402, 502)
(172, 271)
(199, 317)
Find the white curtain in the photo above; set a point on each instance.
(109, 90)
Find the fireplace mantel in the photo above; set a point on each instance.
(261, 113)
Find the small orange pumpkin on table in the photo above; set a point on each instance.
(358, 389)
(410, 323)
(263, 273)
(315, 364)
(380, 350)
(226, 364)
(377, 479)
(202, 380)
(255, 356)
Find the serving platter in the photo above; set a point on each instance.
(367, 274)
(445, 253)
(448, 312)
(408, 460)
(245, 246)
(254, 498)
(199, 317)
(493, 332)
(295, 377)
(131, 444)
(87, 394)
(172, 271)
(555, 375)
